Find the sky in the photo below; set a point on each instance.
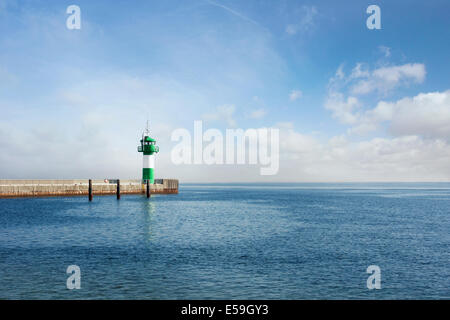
(351, 103)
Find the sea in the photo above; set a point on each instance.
(232, 241)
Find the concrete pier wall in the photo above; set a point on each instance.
(78, 187)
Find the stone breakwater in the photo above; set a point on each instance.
(80, 187)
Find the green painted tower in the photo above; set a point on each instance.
(148, 148)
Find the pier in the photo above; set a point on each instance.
(80, 187)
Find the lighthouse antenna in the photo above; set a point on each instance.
(147, 130)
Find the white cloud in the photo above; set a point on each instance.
(426, 115)
(303, 157)
(386, 79)
(294, 144)
(419, 149)
(348, 108)
(295, 94)
(406, 158)
(342, 109)
(358, 72)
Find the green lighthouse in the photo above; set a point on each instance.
(148, 148)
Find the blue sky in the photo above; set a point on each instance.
(74, 102)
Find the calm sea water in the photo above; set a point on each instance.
(287, 241)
